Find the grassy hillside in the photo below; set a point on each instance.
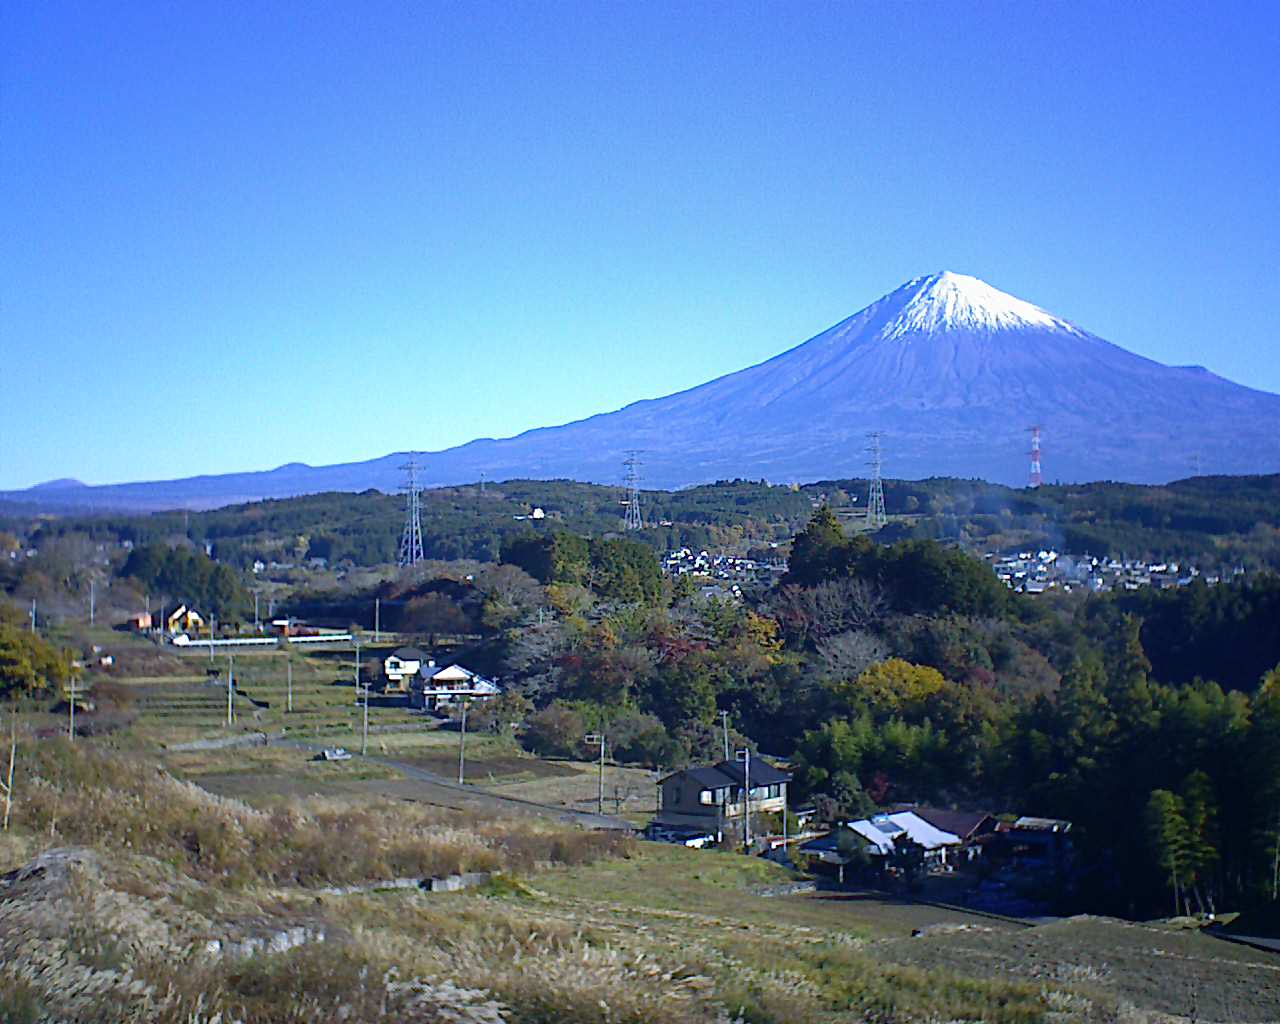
(146, 899)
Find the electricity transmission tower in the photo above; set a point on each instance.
(632, 520)
(411, 539)
(1037, 477)
(876, 516)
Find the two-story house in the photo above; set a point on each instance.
(712, 798)
(400, 666)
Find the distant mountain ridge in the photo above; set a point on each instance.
(949, 368)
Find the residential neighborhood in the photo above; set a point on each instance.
(1034, 572)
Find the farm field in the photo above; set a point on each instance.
(179, 709)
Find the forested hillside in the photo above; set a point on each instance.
(1213, 521)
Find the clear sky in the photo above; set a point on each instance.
(237, 235)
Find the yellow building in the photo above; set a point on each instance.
(185, 620)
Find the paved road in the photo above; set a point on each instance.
(1262, 942)
(436, 789)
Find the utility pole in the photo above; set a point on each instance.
(13, 753)
(230, 687)
(724, 720)
(377, 618)
(33, 615)
(71, 712)
(598, 737)
(289, 677)
(462, 744)
(257, 622)
(784, 820)
(91, 601)
(744, 755)
(364, 736)
(213, 620)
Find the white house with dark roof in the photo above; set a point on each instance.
(401, 665)
(434, 687)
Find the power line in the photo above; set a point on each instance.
(411, 539)
(876, 515)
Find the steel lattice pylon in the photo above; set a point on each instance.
(411, 539)
(632, 519)
(876, 515)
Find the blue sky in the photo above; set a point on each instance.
(237, 235)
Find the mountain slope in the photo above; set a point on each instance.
(951, 369)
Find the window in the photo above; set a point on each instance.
(706, 797)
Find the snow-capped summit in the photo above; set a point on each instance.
(950, 301)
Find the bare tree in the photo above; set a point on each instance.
(847, 655)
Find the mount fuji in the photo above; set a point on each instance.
(950, 369)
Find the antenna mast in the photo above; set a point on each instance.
(632, 519)
(876, 515)
(411, 539)
(1036, 477)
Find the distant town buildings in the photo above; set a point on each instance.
(722, 568)
(1035, 572)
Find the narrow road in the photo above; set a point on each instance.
(437, 789)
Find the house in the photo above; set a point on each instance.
(433, 688)
(400, 666)
(711, 797)
(880, 836)
(140, 622)
(968, 825)
(184, 620)
(1031, 841)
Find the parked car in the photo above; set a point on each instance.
(333, 754)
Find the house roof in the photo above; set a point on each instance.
(1042, 825)
(452, 677)
(922, 832)
(873, 835)
(731, 774)
(961, 823)
(883, 830)
(447, 673)
(408, 654)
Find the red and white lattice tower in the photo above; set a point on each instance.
(1036, 477)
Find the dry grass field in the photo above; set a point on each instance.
(190, 890)
(171, 904)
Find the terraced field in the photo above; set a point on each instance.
(325, 705)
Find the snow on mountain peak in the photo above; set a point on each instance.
(947, 301)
